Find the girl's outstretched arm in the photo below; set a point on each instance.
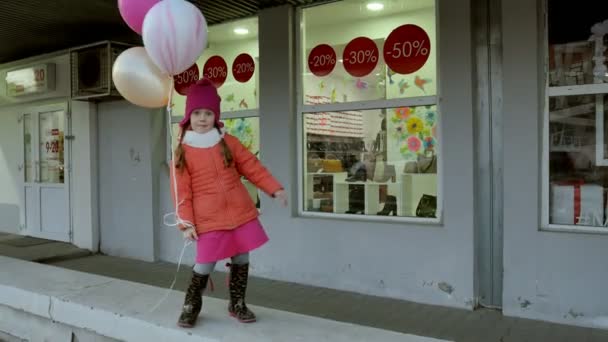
(248, 165)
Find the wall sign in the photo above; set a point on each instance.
(360, 57)
(243, 67)
(322, 60)
(216, 70)
(407, 49)
(36, 79)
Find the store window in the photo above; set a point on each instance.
(368, 109)
(576, 158)
(231, 62)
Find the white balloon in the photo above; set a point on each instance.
(175, 35)
(139, 80)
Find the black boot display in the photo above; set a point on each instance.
(356, 199)
(390, 207)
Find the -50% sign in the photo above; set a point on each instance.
(360, 57)
(407, 49)
(183, 81)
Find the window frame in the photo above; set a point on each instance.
(598, 89)
(303, 109)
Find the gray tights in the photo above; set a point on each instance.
(239, 259)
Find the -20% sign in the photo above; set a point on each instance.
(322, 60)
(243, 67)
(360, 57)
(407, 49)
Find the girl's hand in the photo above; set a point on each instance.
(190, 234)
(281, 196)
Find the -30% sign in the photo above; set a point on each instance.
(407, 49)
(243, 67)
(322, 60)
(360, 57)
(183, 81)
(216, 70)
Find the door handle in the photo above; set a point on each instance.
(37, 175)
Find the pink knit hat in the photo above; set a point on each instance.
(202, 95)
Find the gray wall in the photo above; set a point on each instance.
(126, 179)
(432, 264)
(553, 276)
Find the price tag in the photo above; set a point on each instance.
(322, 60)
(243, 67)
(407, 49)
(183, 81)
(216, 70)
(360, 57)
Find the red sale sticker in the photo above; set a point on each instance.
(407, 49)
(216, 70)
(360, 57)
(322, 60)
(243, 67)
(183, 81)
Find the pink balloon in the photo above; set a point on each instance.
(134, 11)
(175, 35)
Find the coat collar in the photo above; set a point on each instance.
(203, 140)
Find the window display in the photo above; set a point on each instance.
(576, 176)
(231, 62)
(381, 159)
(373, 162)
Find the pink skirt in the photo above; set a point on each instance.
(222, 244)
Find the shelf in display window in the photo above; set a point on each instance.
(408, 189)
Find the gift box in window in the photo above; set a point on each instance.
(577, 203)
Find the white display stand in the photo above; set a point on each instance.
(337, 177)
(408, 191)
(372, 196)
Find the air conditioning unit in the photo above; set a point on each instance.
(92, 71)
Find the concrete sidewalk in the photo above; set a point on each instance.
(45, 303)
(400, 316)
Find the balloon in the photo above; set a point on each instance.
(133, 12)
(175, 34)
(139, 80)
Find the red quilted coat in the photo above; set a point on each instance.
(212, 196)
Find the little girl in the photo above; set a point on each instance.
(214, 207)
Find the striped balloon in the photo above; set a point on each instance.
(174, 34)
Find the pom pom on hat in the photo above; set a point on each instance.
(202, 95)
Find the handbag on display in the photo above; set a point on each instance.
(410, 167)
(423, 164)
(427, 207)
(332, 164)
(314, 163)
(384, 171)
(427, 164)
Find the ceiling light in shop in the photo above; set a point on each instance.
(241, 31)
(375, 6)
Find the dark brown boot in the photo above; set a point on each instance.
(194, 300)
(239, 275)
